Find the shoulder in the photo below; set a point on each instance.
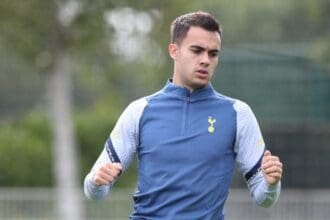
(238, 105)
(134, 110)
(146, 99)
(223, 98)
(244, 113)
(242, 107)
(137, 106)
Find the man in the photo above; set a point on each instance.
(187, 137)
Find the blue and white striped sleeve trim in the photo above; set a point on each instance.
(111, 152)
(254, 171)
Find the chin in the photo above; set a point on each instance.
(200, 85)
(202, 82)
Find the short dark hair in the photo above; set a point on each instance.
(181, 25)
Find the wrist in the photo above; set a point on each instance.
(272, 186)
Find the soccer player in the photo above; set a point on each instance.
(187, 137)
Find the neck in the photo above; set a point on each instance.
(178, 82)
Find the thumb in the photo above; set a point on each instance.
(267, 153)
(118, 166)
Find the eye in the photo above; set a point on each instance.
(214, 54)
(196, 50)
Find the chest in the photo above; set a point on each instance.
(188, 131)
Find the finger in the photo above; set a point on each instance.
(273, 176)
(110, 171)
(113, 166)
(273, 169)
(99, 181)
(114, 169)
(102, 178)
(276, 176)
(271, 164)
(270, 159)
(266, 156)
(106, 178)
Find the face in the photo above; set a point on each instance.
(196, 58)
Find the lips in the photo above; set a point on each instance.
(202, 73)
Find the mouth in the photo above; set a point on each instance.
(202, 73)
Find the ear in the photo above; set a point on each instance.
(173, 51)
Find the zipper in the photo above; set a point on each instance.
(185, 123)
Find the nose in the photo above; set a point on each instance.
(205, 59)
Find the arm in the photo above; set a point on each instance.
(118, 152)
(265, 186)
(99, 181)
(264, 193)
(263, 179)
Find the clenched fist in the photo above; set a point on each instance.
(107, 173)
(271, 167)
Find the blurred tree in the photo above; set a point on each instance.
(42, 33)
(24, 150)
(39, 31)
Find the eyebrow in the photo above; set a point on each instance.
(203, 48)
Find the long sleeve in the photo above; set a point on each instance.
(91, 190)
(120, 147)
(264, 194)
(249, 149)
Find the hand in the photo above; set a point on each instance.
(271, 167)
(107, 173)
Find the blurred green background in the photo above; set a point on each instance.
(275, 56)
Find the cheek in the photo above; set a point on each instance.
(213, 66)
(215, 63)
(184, 59)
(216, 60)
(189, 62)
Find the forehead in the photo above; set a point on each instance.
(201, 37)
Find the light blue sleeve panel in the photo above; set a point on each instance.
(249, 149)
(122, 143)
(91, 190)
(264, 194)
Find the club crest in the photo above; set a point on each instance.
(211, 122)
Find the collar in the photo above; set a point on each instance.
(184, 93)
